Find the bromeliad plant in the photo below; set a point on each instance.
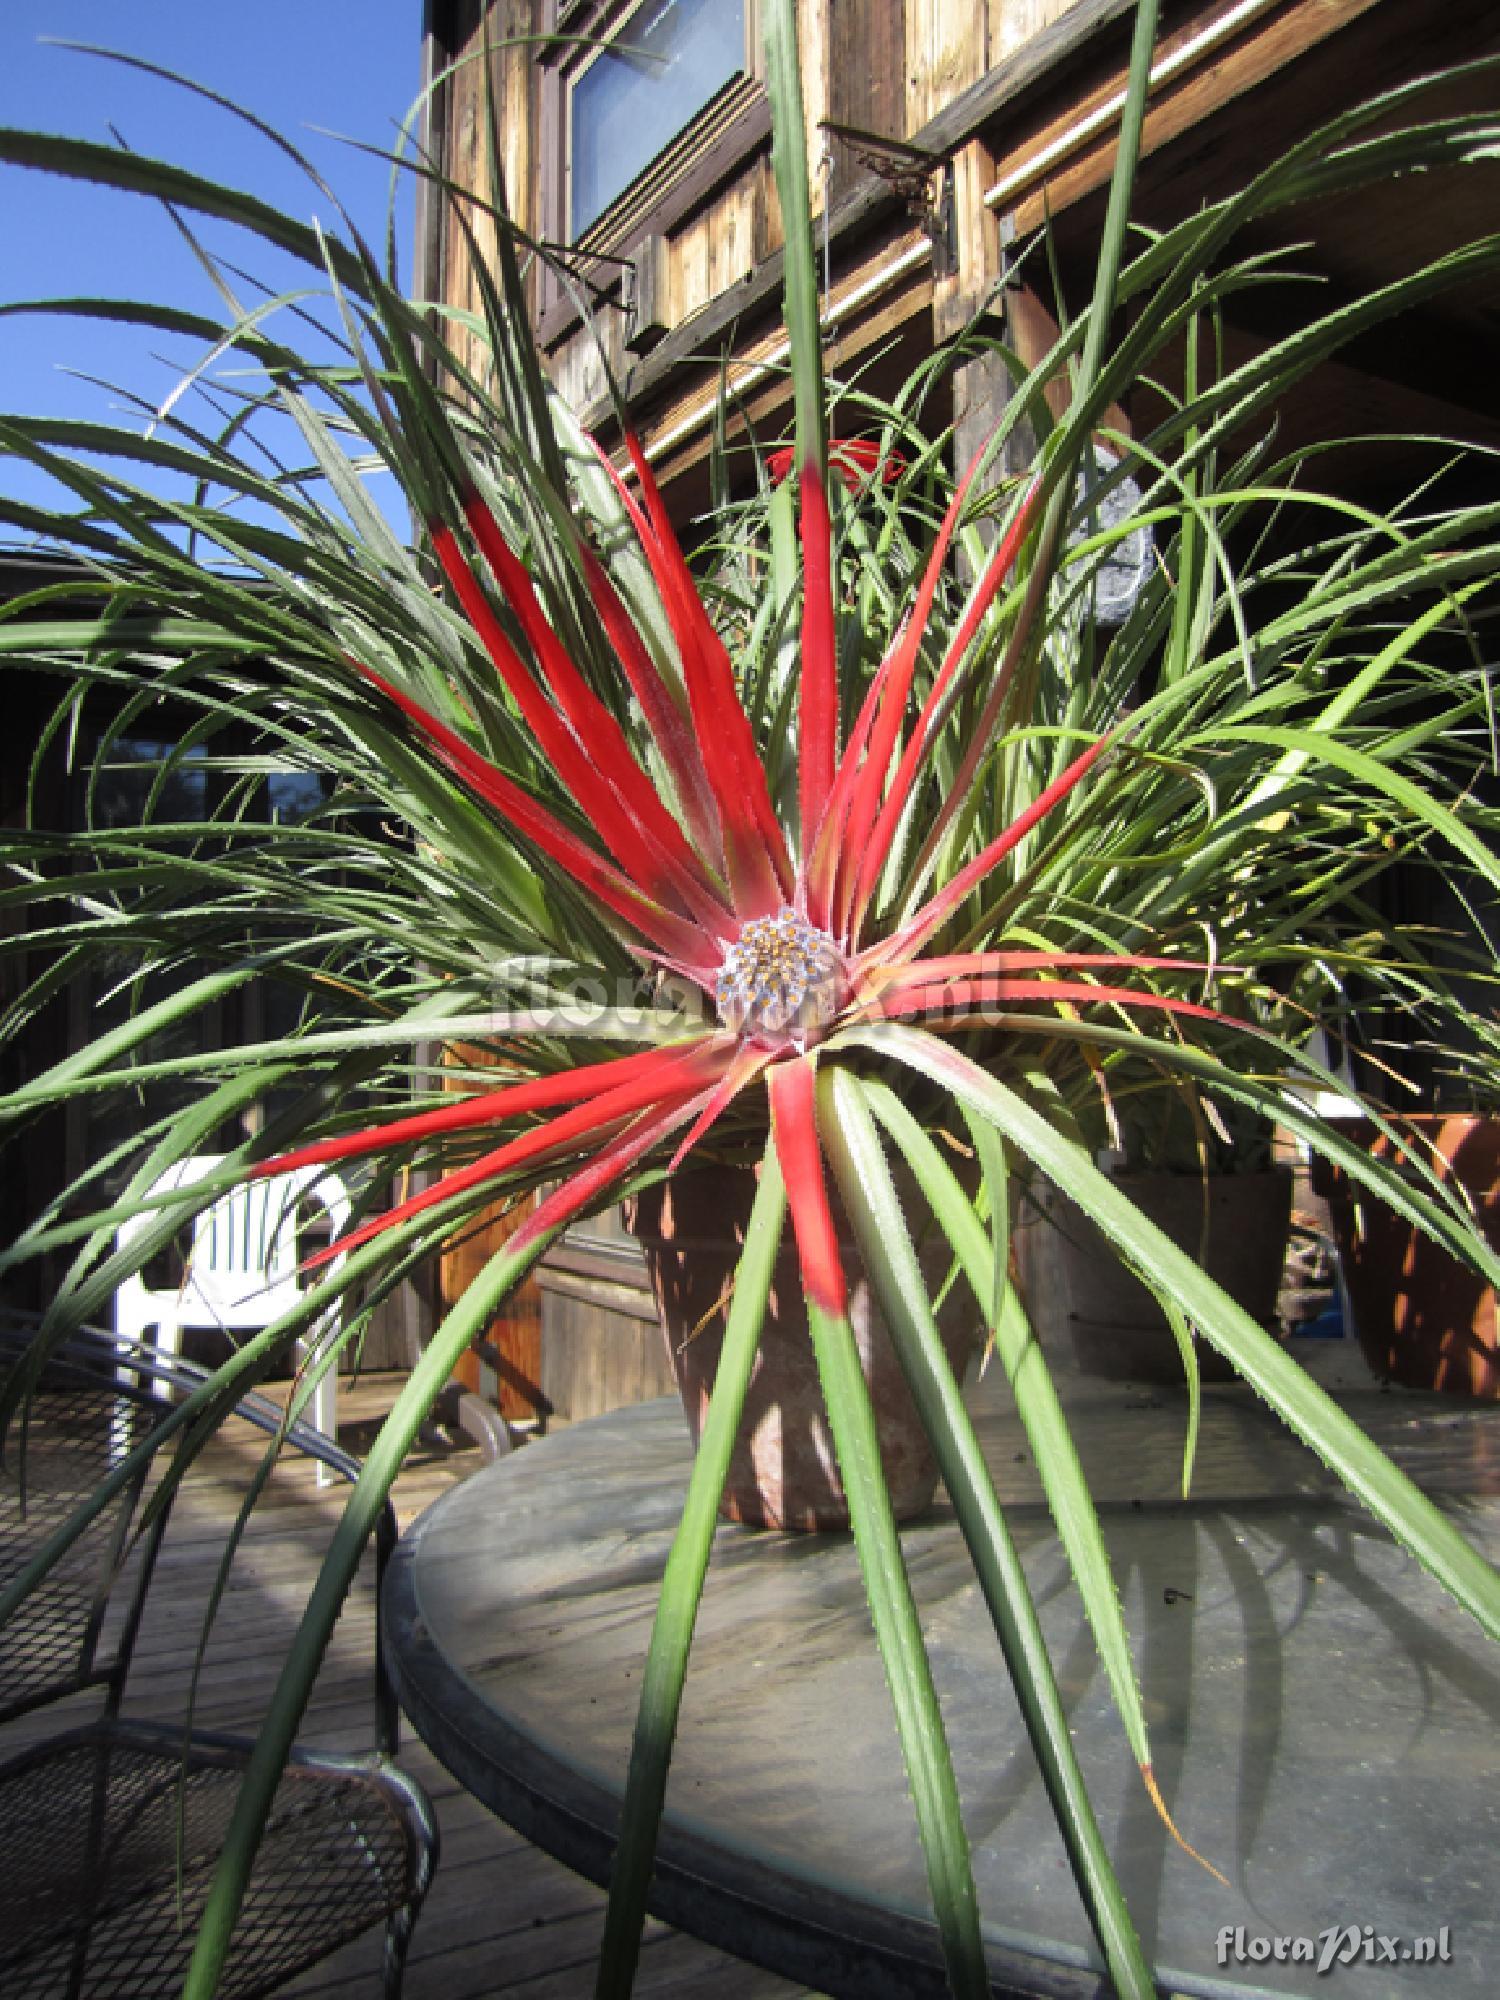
(873, 856)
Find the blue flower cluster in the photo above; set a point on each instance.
(782, 976)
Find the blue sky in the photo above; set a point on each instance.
(348, 66)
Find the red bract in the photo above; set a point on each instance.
(772, 938)
(855, 460)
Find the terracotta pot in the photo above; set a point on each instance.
(1422, 1318)
(1088, 1309)
(783, 1472)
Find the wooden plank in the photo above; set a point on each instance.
(515, 1331)
(461, 159)
(766, 221)
(690, 261)
(556, 1958)
(1013, 24)
(579, 369)
(866, 79)
(753, 357)
(1264, 47)
(516, 111)
(868, 200)
(1033, 332)
(1041, 58)
(651, 314)
(946, 52)
(601, 1347)
(813, 56)
(463, 118)
(959, 295)
(732, 244)
(767, 404)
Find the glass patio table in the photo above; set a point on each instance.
(1323, 1719)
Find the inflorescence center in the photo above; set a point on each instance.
(782, 978)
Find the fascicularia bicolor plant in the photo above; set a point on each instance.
(902, 846)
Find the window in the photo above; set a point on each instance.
(668, 60)
(647, 107)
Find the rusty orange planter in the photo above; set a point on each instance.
(1423, 1319)
(783, 1472)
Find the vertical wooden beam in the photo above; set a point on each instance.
(428, 204)
(982, 392)
(651, 316)
(815, 57)
(970, 288)
(866, 78)
(971, 295)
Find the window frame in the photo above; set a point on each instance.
(715, 143)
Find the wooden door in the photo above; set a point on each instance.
(515, 1332)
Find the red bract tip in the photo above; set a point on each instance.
(592, 1184)
(658, 855)
(872, 834)
(586, 748)
(957, 998)
(909, 941)
(686, 943)
(680, 1074)
(855, 460)
(511, 1100)
(760, 874)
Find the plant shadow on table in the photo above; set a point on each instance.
(1300, 1785)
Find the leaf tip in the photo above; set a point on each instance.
(1153, 1792)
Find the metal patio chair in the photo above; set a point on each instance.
(109, 1832)
(242, 1268)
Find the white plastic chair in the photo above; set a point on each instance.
(242, 1271)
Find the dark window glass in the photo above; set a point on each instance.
(669, 59)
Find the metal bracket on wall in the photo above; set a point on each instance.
(1007, 246)
(570, 256)
(923, 180)
(1009, 278)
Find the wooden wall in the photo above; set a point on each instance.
(995, 87)
(1019, 95)
(509, 1368)
(601, 1342)
(884, 66)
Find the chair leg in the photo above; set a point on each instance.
(325, 1415)
(398, 1930)
(121, 1424)
(168, 1344)
(164, 1337)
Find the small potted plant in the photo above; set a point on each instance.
(1220, 1195)
(1422, 1318)
(935, 871)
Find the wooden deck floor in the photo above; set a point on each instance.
(502, 1917)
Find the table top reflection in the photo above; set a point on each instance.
(1322, 1717)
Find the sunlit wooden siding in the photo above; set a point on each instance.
(1016, 93)
(884, 66)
